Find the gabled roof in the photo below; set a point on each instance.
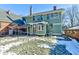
(74, 28)
(46, 12)
(3, 16)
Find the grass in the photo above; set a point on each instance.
(8, 42)
(31, 48)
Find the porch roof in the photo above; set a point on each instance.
(43, 22)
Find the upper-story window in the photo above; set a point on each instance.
(39, 18)
(48, 16)
(52, 15)
(33, 18)
(55, 15)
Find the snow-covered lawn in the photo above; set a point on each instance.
(44, 46)
(7, 39)
(3, 49)
(8, 43)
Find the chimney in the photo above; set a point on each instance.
(30, 10)
(54, 7)
(8, 12)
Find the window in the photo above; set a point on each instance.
(34, 28)
(33, 18)
(51, 25)
(37, 18)
(55, 15)
(52, 15)
(47, 16)
(31, 26)
(40, 18)
(40, 27)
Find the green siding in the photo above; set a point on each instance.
(52, 17)
(29, 19)
(57, 28)
(43, 32)
(56, 21)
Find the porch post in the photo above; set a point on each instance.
(27, 30)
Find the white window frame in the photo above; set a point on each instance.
(40, 25)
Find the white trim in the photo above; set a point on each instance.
(38, 23)
(56, 23)
(56, 33)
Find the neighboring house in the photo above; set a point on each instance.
(5, 22)
(72, 32)
(45, 23)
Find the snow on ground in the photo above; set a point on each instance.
(6, 47)
(60, 37)
(44, 46)
(12, 43)
(72, 46)
(3, 49)
(8, 39)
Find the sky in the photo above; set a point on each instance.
(23, 9)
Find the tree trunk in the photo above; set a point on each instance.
(71, 22)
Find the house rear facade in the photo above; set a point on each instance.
(45, 23)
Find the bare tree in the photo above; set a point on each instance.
(77, 17)
(72, 14)
(65, 21)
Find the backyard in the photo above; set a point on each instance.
(26, 45)
(35, 45)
